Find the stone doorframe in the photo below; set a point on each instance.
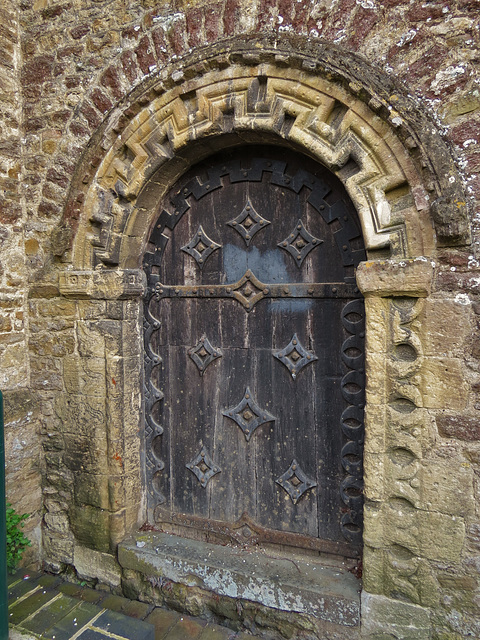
(404, 184)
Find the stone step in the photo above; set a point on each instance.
(328, 592)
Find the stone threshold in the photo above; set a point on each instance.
(303, 585)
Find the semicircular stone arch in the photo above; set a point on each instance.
(249, 103)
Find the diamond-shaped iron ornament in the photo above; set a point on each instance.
(295, 356)
(299, 243)
(248, 415)
(204, 354)
(295, 482)
(200, 247)
(203, 467)
(248, 222)
(249, 290)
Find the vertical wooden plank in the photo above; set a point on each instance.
(307, 409)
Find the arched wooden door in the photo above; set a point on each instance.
(254, 357)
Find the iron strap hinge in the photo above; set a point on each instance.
(249, 290)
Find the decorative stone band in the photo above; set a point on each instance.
(118, 284)
(282, 105)
(385, 278)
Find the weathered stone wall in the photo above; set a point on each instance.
(77, 387)
(22, 443)
(80, 59)
(13, 363)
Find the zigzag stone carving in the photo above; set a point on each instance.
(320, 117)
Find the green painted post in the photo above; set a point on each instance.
(3, 536)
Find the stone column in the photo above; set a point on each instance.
(98, 415)
(415, 504)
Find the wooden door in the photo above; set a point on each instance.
(254, 333)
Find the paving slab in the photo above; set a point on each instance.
(70, 589)
(125, 627)
(216, 632)
(19, 634)
(134, 609)
(163, 620)
(90, 595)
(186, 629)
(93, 634)
(19, 589)
(22, 574)
(71, 623)
(114, 603)
(48, 615)
(45, 607)
(23, 609)
(12, 578)
(48, 581)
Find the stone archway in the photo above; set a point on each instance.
(242, 98)
(243, 104)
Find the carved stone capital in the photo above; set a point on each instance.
(118, 284)
(386, 278)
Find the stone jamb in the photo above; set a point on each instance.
(112, 494)
(120, 284)
(407, 524)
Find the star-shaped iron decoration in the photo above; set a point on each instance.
(204, 354)
(200, 247)
(299, 243)
(249, 290)
(248, 415)
(295, 482)
(248, 222)
(203, 467)
(295, 356)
